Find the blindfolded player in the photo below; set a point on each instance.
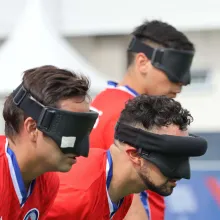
(47, 123)
(151, 150)
(159, 60)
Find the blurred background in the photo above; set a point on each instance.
(91, 36)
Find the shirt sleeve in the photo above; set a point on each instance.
(69, 204)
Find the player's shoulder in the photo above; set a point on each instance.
(95, 160)
(70, 203)
(105, 100)
(114, 94)
(86, 171)
(111, 95)
(4, 168)
(2, 145)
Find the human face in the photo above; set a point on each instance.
(150, 174)
(49, 152)
(155, 181)
(154, 81)
(157, 83)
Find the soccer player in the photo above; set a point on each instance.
(159, 61)
(151, 150)
(40, 134)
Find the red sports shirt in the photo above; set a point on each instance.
(15, 201)
(109, 105)
(83, 193)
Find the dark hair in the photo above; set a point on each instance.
(48, 85)
(154, 112)
(160, 33)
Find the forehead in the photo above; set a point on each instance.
(171, 130)
(76, 104)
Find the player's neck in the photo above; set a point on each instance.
(29, 166)
(131, 81)
(124, 181)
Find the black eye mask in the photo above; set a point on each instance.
(175, 64)
(169, 153)
(70, 130)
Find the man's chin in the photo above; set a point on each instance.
(65, 168)
(163, 193)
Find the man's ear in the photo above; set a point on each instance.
(133, 155)
(142, 63)
(30, 128)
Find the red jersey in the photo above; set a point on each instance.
(109, 105)
(83, 192)
(15, 201)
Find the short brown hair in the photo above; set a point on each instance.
(48, 85)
